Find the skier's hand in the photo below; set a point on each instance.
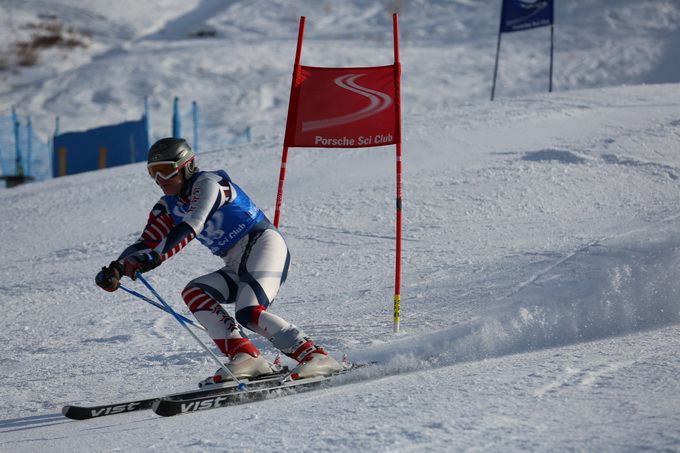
(141, 263)
(109, 277)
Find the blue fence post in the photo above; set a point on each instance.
(2, 158)
(146, 122)
(55, 155)
(194, 111)
(17, 142)
(176, 121)
(29, 145)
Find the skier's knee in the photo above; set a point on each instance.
(248, 315)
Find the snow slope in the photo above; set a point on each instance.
(540, 291)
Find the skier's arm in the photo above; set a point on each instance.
(138, 257)
(157, 228)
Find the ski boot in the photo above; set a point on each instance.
(246, 362)
(313, 361)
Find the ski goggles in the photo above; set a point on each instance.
(166, 169)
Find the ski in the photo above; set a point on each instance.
(175, 406)
(171, 406)
(87, 412)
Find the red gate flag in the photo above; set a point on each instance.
(344, 107)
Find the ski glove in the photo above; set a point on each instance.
(109, 277)
(141, 263)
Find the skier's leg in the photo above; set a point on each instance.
(204, 296)
(262, 272)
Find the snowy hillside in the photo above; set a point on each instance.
(235, 59)
(540, 304)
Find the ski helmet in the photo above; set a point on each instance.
(170, 155)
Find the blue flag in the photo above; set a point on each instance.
(518, 15)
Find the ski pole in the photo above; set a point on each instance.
(241, 385)
(156, 304)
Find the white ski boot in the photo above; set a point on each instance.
(246, 362)
(313, 361)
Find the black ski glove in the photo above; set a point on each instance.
(109, 277)
(141, 263)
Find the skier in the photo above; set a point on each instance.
(207, 205)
